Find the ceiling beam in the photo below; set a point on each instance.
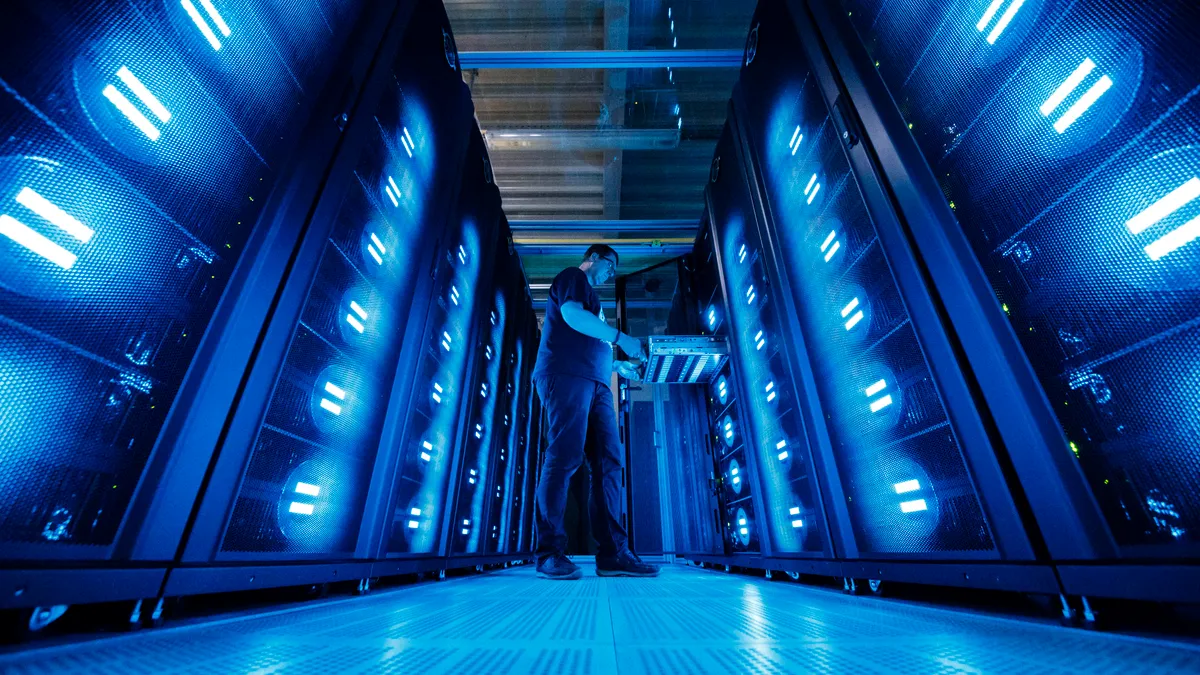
(615, 58)
(582, 139)
(641, 250)
(684, 227)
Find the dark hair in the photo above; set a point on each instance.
(604, 250)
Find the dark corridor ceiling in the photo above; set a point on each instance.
(599, 144)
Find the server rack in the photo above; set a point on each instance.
(151, 197)
(777, 446)
(489, 419)
(422, 500)
(532, 464)
(513, 418)
(311, 450)
(1046, 150)
(522, 445)
(673, 503)
(939, 195)
(913, 488)
(727, 410)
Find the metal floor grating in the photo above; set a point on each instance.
(685, 621)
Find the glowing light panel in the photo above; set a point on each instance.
(881, 402)
(202, 24)
(338, 393)
(830, 245)
(308, 490)
(812, 189)
(1086, 101)
(797, 138)
(1162, 209)
(990, 13)
(37, 243)
(131, 112)
(855, 317)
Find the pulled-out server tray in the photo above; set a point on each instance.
(684, 359)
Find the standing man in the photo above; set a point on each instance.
(574, 366)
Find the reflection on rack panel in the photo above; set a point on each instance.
(738, 513)
(134, 169)
(305, 488)
(1070, 164)
(905, 480)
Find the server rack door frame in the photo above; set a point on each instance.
(411, 359)
(153, 524)
(512, 387)
(1044, 472)
(215, 510)
(378, 522)
(1005, 521)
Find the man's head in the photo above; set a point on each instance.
(599, 263)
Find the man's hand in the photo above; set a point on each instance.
(631, 346)
(627, 370)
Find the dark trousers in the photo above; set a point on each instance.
(581, 422)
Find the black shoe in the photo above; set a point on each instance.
(558, 567)
(627, 564)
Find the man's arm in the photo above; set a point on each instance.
(587, 323)
(590, 325)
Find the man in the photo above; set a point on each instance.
(574, 366)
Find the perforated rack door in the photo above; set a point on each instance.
(140, 143)
(774, 439)
(901, 470)
(1063, 138)
(440, 425)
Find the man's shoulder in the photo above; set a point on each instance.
(570, 274)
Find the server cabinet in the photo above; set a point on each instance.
(643, 307)
(153, 154)
(299, 476)
(1047, 151)
(487, 415)
(422, 504)
(911, 461)
(515, 388)
(772, 434)
(516, 472)
(741, 531)
(671, 497)
(531, 463)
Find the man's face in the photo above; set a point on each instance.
(606, 268)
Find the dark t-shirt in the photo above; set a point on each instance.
(564, 350)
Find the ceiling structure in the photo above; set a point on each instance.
(601, 117)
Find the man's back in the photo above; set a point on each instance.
(564, 350)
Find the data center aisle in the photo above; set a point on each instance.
(686, 621)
